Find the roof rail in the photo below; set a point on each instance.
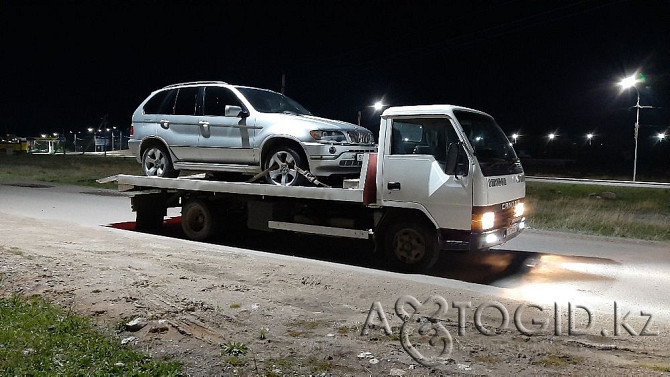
(195, 83)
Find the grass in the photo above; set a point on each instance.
(40, 339)
(641, 213)
(658, 368)
(319, 366)
(555, 361)
(635, 213)
(235, 349)
(73, 169)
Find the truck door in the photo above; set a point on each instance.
(413, 170)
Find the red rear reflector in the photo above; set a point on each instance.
(132, 130)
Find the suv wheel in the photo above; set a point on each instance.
(156, 162)
(282, 163)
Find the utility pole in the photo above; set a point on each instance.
(283, 83)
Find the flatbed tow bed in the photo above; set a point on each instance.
(199, 182)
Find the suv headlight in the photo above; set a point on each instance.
(328, 136)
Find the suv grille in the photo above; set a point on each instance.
(358, 137)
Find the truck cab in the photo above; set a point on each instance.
(455, 166)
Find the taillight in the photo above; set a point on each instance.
(132, 130)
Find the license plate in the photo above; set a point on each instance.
(512, 229)
(359, 156)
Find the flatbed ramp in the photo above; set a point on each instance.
(129, 183)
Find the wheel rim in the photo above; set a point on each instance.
(154, 162)
(196, 219)
(409, 246)
(284, 172)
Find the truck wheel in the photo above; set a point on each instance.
(197, 220)
(283, 162)
(156, 162)
(411, 246)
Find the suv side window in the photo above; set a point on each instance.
(216, 99)
(186, 101)
(161, 103)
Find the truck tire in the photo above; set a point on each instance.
(198, 221)
(156, 162)
(285, 160)
(411, 246)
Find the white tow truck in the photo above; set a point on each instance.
(443, 178)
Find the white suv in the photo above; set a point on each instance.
(217, 127)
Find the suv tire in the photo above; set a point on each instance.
(156, 162)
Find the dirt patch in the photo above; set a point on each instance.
(223, 310)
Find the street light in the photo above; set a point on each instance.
(630, 82)
(552, 136)
(589, 137)
(378, 106)
(514, 137)
(661, 136)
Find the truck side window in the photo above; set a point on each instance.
(429, 136)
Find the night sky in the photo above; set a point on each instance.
(536, 66)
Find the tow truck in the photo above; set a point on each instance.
(443, 178)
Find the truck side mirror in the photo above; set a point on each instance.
(455, 160)
(236, 112)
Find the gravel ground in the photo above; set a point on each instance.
(295, 316)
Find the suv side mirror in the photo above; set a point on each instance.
(456, 160)
(236, 112)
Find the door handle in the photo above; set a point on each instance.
(164, 124)
(393, 185)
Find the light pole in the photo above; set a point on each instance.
(629, 82)
(589, 137)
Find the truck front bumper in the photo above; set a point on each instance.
(450, 239)
(495, 237)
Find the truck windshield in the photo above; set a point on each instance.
(492, 148)
(266, 101)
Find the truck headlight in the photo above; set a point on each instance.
(328, 136)
(488, 220)
(518, 210)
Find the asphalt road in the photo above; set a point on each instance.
(537, 267)
(600, 182)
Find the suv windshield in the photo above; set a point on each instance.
(266, 101)
(492, 148)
